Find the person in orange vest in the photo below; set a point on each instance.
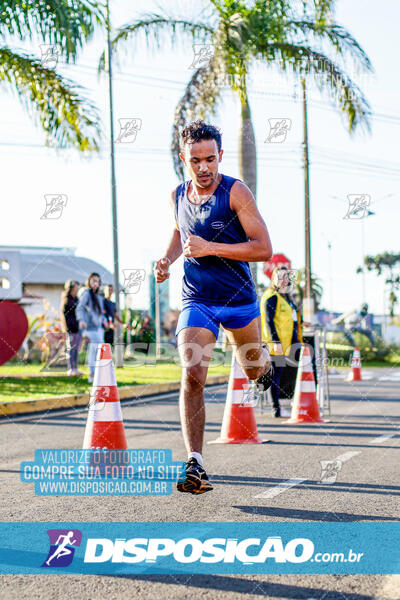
(281, 326)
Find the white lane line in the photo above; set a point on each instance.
(290, 483)
(282, 487)
(382, 438)
(347, 456)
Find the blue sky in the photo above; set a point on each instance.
(147, 86)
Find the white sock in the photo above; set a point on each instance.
(197, 456)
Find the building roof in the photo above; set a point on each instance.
(54, 265)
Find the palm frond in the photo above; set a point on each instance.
(324, 9)
(155, 29)
(66, 116)
(327, 76)
(66, 23)
(341, 40)
(199, 100)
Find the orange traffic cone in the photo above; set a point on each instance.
(355, 373)
(305, 405)
(104, 428)
(238, 424)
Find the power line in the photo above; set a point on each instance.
(132, 78)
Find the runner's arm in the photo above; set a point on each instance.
(258, 248)
(174, 250)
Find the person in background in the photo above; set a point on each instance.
(143, 327)
(281, 326)
(90, 314)
(111, 315)
(70, 325)
(355, 321)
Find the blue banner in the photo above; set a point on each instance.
(102, 472)
(238, 548)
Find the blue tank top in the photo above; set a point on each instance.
(211, 279)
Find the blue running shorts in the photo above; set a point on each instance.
(210, 316)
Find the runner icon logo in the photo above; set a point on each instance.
(61, 551)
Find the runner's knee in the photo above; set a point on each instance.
(195, 377)
(254, 372)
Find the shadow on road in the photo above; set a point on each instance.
(240, 585)
(310, 484)
(309, 515)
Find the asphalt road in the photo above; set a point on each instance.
(363, 431)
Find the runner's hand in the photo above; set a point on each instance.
(161, 269)
(195, 246)
(278, 349)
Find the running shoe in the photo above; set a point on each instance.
(265, 380)
(196, 479)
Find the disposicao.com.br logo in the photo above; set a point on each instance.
(213, 550)
(62, 547)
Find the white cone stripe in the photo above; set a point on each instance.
(306, 363)
(307, 386)
(237, 371)
(237, 395)
(103, 362)
(107, 411)
(104, 374)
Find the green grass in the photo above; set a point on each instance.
(12, 389)
(45, 386)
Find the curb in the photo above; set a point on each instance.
(8, 409)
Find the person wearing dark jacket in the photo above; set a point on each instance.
(112, 317)
(281, 326)
(91, 317)
(70, 325)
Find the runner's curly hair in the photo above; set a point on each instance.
(199, 130)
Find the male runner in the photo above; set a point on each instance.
(218, 229)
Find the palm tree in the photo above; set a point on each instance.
(316, 288)
(271, 32)
(55, 102)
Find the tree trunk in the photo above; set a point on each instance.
(248, 159)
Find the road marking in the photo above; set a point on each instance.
(382, 438)
(347, 456)
(282, 487)
(290, 483)
(390, 587)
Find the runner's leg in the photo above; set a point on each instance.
(195, 346)
(251, 355)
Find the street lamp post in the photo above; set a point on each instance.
(118, 337)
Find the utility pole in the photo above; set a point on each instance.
(308, 307)
(158, 320)
(330, 277)
(364, 293)
(119, 351)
